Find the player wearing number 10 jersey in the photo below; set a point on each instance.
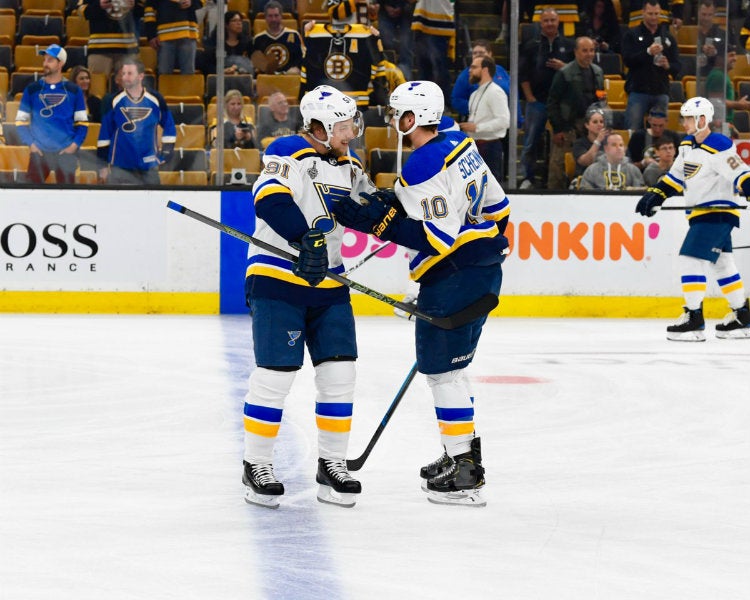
(449, 210)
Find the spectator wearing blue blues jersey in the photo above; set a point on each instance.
(128, 139)
(52, 121)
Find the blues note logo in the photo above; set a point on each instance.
(293, 337)
(50, 101)
(132, 115)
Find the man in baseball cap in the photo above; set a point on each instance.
(57, 52)
(52, 121)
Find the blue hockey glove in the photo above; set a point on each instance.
(649, 201)
(312, 263)
(361, 217)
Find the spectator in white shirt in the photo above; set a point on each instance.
(489, 115)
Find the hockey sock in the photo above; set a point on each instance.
(334, 381)
(729, 280)
(264, 405)
(454, 408)
(694, 281)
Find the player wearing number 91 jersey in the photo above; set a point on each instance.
(293, 304)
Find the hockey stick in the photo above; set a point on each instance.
(355, 464)
(702, 207)
(740, 247)
(466, 315)
(366, 258)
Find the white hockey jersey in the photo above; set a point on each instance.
(708, 174)
(447, 185)
(293, 167)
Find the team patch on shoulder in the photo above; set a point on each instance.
(691, 169)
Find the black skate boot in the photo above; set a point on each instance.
(460, 484)
(435, 468)
(263, 488)
(689, 327)
(337, 486)
(736, 325)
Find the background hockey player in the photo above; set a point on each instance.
(709, 173)
(293, 305)
(450, 212)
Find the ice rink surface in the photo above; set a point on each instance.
(618, 467)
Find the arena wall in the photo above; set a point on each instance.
(123, 251)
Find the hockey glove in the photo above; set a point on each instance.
(312, 263)
(351, 213)
(649, 201)
(387, 197)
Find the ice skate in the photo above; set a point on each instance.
(263, 488)
(689, 327)
(337, 486)
(461, 483)
(435, 468)
(736, 325)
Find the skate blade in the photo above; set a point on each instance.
(686, 336)
(265, 501)
(327, 495)
(460, 498)
(734, 334)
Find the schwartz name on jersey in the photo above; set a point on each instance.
(464, 225)
(294, 193)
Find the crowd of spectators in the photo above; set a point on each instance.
(565, 116)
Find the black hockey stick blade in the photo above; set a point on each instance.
(356, 464)
(474, 311)
(740, 247)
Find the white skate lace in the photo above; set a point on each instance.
(684, 318)
(730, 318)
(263, 474)
(337, 470)
(446, 475)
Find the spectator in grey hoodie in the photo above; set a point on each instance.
(613, 171)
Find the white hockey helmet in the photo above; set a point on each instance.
(329, 106)
(423, 98)
(697, 107)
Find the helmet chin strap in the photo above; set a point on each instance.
(399, 148)
(701, 129)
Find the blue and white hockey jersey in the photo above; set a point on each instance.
(294, 193)
(708, 174)
(447, 185)
(52, 115)
(128, 136)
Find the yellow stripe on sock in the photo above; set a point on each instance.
(260, 428)
(334, 425)
(461, 428)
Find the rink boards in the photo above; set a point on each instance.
(123, 251)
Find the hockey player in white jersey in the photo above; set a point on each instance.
(293, 305)
(450, 212)
(709, 173)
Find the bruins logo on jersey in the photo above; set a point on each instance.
(338, 66)
(280, 52)
(691, 169)
(614, 180)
